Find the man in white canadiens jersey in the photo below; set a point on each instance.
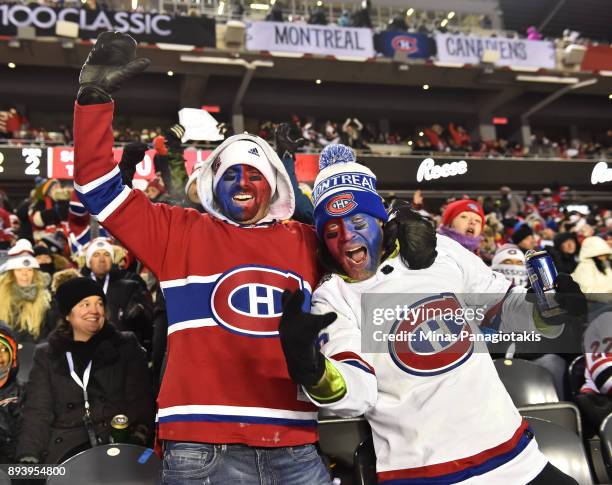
(437, 417)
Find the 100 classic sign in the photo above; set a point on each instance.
(146, 27)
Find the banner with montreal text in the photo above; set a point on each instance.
(326, 40)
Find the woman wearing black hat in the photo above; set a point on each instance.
(87, 373)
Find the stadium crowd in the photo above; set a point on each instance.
(57, 257)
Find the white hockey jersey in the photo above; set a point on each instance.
(441, 414)
(598, 353)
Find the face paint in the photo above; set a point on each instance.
(243, 194)
(355, 242)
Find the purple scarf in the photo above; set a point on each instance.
(468, 242)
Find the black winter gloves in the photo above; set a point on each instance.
(111, 61)
(298, 334)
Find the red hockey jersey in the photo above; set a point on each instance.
(226, 379)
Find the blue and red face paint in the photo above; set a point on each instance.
(355, 242)
(243, 193)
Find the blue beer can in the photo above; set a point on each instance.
(542, 274)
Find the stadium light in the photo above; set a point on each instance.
(319, 3)
(259, 6)
(409, 142)
(547, 79)
(220, 9)
(170, 73)
(12, 65)
(425, 87)
(134, 4)
(444, 23)
(409, 12)
(318, 81)
(450, 15)
(609, 96)
(421, 133)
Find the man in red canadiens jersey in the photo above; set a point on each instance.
(228, 411)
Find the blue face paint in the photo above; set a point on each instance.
(243, 194)
(355, 242)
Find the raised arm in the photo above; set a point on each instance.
(142, 227)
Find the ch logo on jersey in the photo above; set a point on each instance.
(247, 299)
(340, 204)
(436, 344)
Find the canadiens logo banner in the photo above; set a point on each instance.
(413, 46)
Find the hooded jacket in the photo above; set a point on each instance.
(596, 285)
(565, 263)
(223, 284)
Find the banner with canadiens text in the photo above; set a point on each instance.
(469, 49)
(326, 40)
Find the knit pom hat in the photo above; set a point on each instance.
(21, 255)
(99, 243)
(344, 187)
(465, 205)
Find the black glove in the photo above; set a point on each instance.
(569, 296)
(287, 143)
(415, 233)
(133, 154)
(173, 138)
(298, 333)
(111, 61)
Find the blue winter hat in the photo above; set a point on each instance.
(344, 187)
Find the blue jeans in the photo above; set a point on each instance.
(203, 463)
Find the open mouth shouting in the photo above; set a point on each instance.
(358, 255)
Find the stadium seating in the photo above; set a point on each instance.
(563, 448)
(111, 464)
(576, 374)
(526, 382)
(605, 434)
(564, 414)
(348, 443)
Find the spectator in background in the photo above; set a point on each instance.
(463, 221)
(434, 135)
(593, 273)
(7, 236)
(54, 427)
(533, 34)
(24, 298)
(397, 24)
(565, 252)
(510, 205)
(523, 237)
(318, 16)
(11, 395)
(352, 130)
(509, 260)
(129, 304)
(345, 19)
(156, 191)
(276, 13)
(460, 139)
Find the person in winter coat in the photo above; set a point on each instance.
(565, 252)
(84, 351)
(11, 395)
(129, 302)
(24, 298)
(594, 273)
(463, 221)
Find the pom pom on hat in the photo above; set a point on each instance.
(336, 153)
